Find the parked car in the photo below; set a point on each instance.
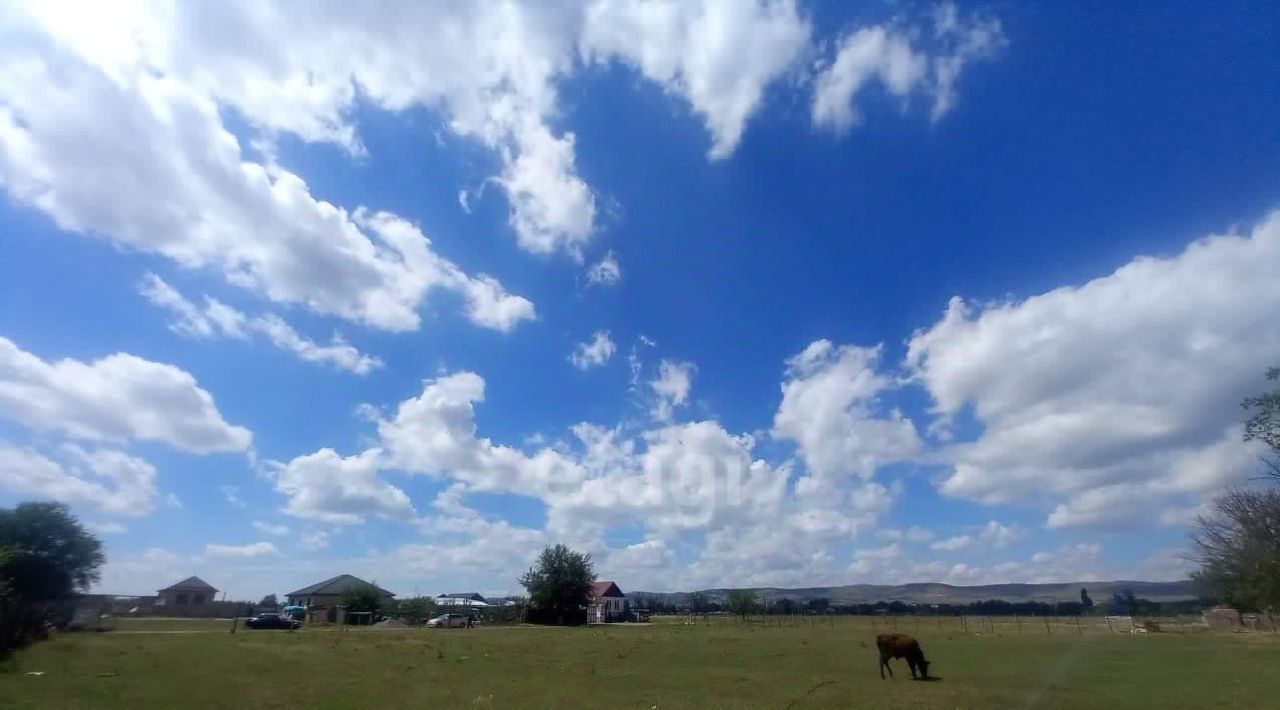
(272, 621)
(448, 621)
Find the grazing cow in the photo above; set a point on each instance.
(901, 646)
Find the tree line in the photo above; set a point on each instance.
(750, 604)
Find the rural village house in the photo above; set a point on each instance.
(328, 594)
(467, 599)
(191, 591)
(607, 602)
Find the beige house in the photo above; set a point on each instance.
(191, 591)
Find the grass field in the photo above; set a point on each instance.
(662, 665)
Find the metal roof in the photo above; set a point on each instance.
(336, 585)
(192, 583)
(605, 588)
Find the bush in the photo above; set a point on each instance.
(364, 598)
(416, 610)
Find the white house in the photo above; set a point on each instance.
(607, 602)
(469, 599)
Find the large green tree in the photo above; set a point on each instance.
(45, 557)
(1238, 543)
(50, 532)
(698, 603)
(364, 597)
(1238, 548)
(742, 602)
(559, 584)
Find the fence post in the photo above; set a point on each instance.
(964, 621)
(1047, 630)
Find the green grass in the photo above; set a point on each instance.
(174, 624)
(663, 665)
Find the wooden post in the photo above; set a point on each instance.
(235, 621)
(964, 620)
(1078, 629)
(1047, 630)
(1017, 623)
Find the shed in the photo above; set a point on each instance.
(607, 602)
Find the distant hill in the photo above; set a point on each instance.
(935, 593)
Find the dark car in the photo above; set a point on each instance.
(272, 621)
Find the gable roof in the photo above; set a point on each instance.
(473, 596)
(335, 586)
(191, 583)
(605, 588)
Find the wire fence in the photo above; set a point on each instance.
(1014, 625)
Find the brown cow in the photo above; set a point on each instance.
(901, 646)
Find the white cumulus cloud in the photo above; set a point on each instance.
(719, 55)
(191, 195)
(102, 479)
(671, 387)
(343, 490)
(594, 352)
(253, 549)
(116, 398)
(903, 63)
(830, 408)
(1117, 400)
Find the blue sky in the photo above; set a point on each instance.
(725, 293)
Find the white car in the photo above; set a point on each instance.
(448, 621)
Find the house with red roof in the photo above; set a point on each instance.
(606, 602)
